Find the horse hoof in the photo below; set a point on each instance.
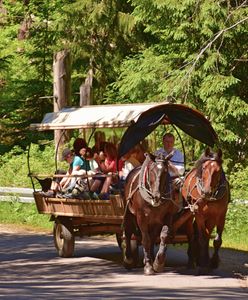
(158, 268)
(148, 270)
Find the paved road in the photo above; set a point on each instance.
(30, 269)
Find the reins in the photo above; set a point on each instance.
(132, 192)
(143, 179)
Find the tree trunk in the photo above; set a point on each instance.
(61, 92)
(86, 90)
(86, 97)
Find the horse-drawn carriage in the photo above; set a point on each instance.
(141, 213)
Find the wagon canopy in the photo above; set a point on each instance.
(140, 118)
(187, 119)
(93, 116)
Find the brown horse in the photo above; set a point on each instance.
(149, 211)
(206, 192)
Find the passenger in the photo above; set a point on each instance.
(78, 144)
(89, 156)
(108, 165)
(75, 164)
(83, 155)
(130, 162)
(176, 166)
(138, 153)
(83, 184)
(100, 140)
(89, 162)
(85, 168)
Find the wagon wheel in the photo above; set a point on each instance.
(63, 239)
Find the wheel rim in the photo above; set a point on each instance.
(59, 236)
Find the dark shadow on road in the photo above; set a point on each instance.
(31, 269)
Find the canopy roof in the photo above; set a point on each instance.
(141, 120)
(94, 116)
(187, 119)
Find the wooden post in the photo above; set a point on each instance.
(61, 90)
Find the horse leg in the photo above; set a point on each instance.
(159, 262)
(126, 247)
(147, 245)
(203, 240)
(191, 232)
(214, 262)
(128, 259)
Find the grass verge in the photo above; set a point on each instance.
(23, 214)
(236, 227)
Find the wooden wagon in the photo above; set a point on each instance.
(73, 217)
(77, 218)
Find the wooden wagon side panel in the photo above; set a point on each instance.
(89, 210)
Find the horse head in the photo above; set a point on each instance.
(154, 179)
(209, 176)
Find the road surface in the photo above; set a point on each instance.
(31, 269)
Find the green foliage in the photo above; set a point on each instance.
(236, 226)
(138, 78)
(194, 59)
(27, 42)
(100, 41)
(238, 182)
(14, 171)
(192, 52)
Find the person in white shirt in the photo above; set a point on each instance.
(176, 166)
(176, 162)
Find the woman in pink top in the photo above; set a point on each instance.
(107, 166)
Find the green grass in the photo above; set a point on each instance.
(25, 214)
(236, 227)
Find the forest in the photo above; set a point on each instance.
(181, 51)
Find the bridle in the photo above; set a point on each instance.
(216, 193)
(149, 194)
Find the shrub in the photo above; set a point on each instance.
(238, 182)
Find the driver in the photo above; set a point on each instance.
(176, 166)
